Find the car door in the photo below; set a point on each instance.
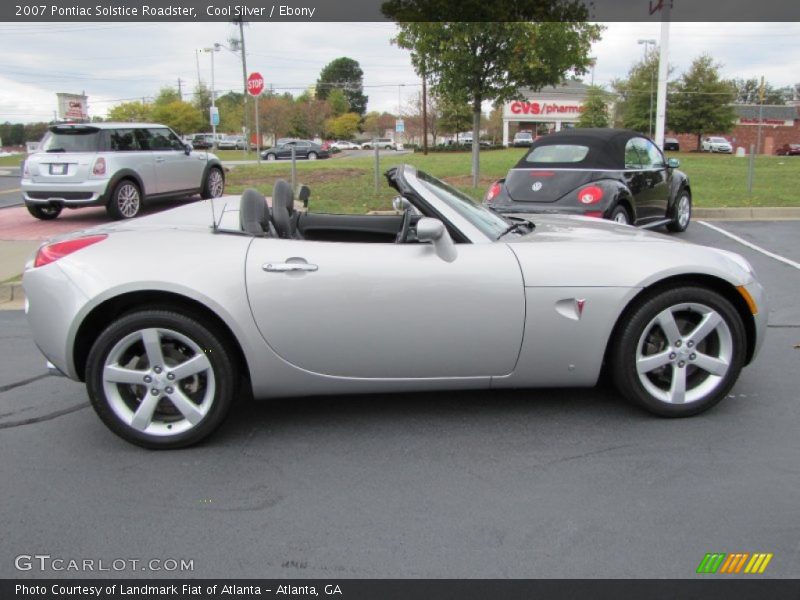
(646, 180)
(657, 177)
(285, 151)
(175, 170)
(301, 149)
(124, 142)
(388, 310)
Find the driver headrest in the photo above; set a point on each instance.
(253, 212)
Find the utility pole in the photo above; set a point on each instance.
(663, 73)
(244, 83)
(760, 114)
(180, 89)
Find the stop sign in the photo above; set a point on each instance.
(255, 84)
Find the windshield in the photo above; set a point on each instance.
(73, 139)
(487, 221)
(558, 153)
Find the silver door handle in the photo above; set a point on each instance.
(288, 267)
(160, 160)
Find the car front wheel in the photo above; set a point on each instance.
(312, 156)
(44, 212)
(679, 352)
(160, 379)
(271, 157)
(126, 200)
(214, 184)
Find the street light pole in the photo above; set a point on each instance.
(212, 50)
(647, 44)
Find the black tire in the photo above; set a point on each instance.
(126, 200)
(312, 156)
(213, 184)
(702, 389)
(618, 213)
(44, 212)
(680, 222)
(125, 398)
(271, 156)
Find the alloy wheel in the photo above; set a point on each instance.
(128, 200)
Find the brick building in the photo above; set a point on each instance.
(779, 125)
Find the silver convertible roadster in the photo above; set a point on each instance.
(167, 317)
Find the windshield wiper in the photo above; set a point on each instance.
(56, 150)
(514, 226)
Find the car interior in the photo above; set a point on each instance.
(283, 221)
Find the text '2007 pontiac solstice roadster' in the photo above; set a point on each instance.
(166, 317)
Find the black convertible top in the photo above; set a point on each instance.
(606, 148)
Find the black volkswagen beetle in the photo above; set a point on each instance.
(606, 173)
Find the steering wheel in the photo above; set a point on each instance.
(403, 233)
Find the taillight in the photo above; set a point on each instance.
(590, 195)
(99, 166)
(494, 189)
(597, 214)
(52, 252)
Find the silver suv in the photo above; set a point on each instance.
(116, 165)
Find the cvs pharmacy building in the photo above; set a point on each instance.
(548, 110)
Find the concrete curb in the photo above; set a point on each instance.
(753, 213)
(12, 297)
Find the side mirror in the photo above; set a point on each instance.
(433, 231)
(673, 163)
(401, 204)
(187, 148)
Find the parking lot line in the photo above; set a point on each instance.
(751, 245)
(14, 191)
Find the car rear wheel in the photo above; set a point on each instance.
(214, 184)
(270, 157)
(683, 213)
(620, 215)
(160, 379)
(312, 156)
(679, 352)
(45, 213)
(126, 200)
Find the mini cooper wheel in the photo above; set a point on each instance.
(680, 352)
(160, 379)
(620, 215)
(44, 212)
(214, 184)
(126, 200)
(683, 213)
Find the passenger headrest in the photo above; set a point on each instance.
(282, 208)
(253, 212)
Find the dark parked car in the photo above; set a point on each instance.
(606, 173)
(302, 149)
(203, 141)
(788, 150)
(672, 145)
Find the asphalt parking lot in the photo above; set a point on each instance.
(544, 483)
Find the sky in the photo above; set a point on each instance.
(114, 62)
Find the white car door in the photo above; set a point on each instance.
(388, 310)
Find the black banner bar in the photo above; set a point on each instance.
(29, 11)
(737, 588)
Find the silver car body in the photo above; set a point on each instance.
(69, 178)
(381, 317)
(716, 144)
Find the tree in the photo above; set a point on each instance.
(231, 112)
(131, 112)
(413, 116)
(376, 124)
(636, 95)
(275, 114)
(338, 102)
(167, 95)
(343, 127)
(595, 108)
(344, 74)
(309, 116)
(702, 101)
(201, 100)
(494, 126)
(180, 116)
(455, 118)
(747, 92)
(491, 60)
